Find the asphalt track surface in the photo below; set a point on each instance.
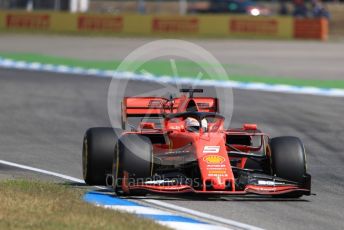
(44, 116)
(297, 59)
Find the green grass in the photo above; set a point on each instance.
(185, 69)
(26, 204)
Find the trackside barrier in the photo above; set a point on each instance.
(167, 25)
(311, 28)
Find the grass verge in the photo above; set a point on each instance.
(26, 204)
(186, 69)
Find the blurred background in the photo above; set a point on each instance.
(332, 10)
(305, 8)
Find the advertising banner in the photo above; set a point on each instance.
(2, 19)
(98, 23)
(208, 25)
(175, 25)
(311, 29)
(27, 21)
(265, 27)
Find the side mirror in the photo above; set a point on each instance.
(250, 126)
(147, 125)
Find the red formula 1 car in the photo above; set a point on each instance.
(180, 146)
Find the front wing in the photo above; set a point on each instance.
(254, 188)
(250, 189)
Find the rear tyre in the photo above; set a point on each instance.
(288, 160)
(97, 154)
(134, 155)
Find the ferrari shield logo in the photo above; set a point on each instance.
(213, 159)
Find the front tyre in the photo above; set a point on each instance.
(97, 154)
(134, 156)
(288, 160)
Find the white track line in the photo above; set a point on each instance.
(198, 214)
(202, 215)
(183, 226)
(42, 171)
(138, 210)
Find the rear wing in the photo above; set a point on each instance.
(144, 106)
(159, 106)
(207, 104)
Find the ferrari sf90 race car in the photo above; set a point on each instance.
(180, 145)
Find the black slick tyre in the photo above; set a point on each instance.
(134, 155)
(97, 154)
(288, 160)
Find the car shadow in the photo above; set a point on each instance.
(233, 198)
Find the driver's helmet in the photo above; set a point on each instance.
(192, 124)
